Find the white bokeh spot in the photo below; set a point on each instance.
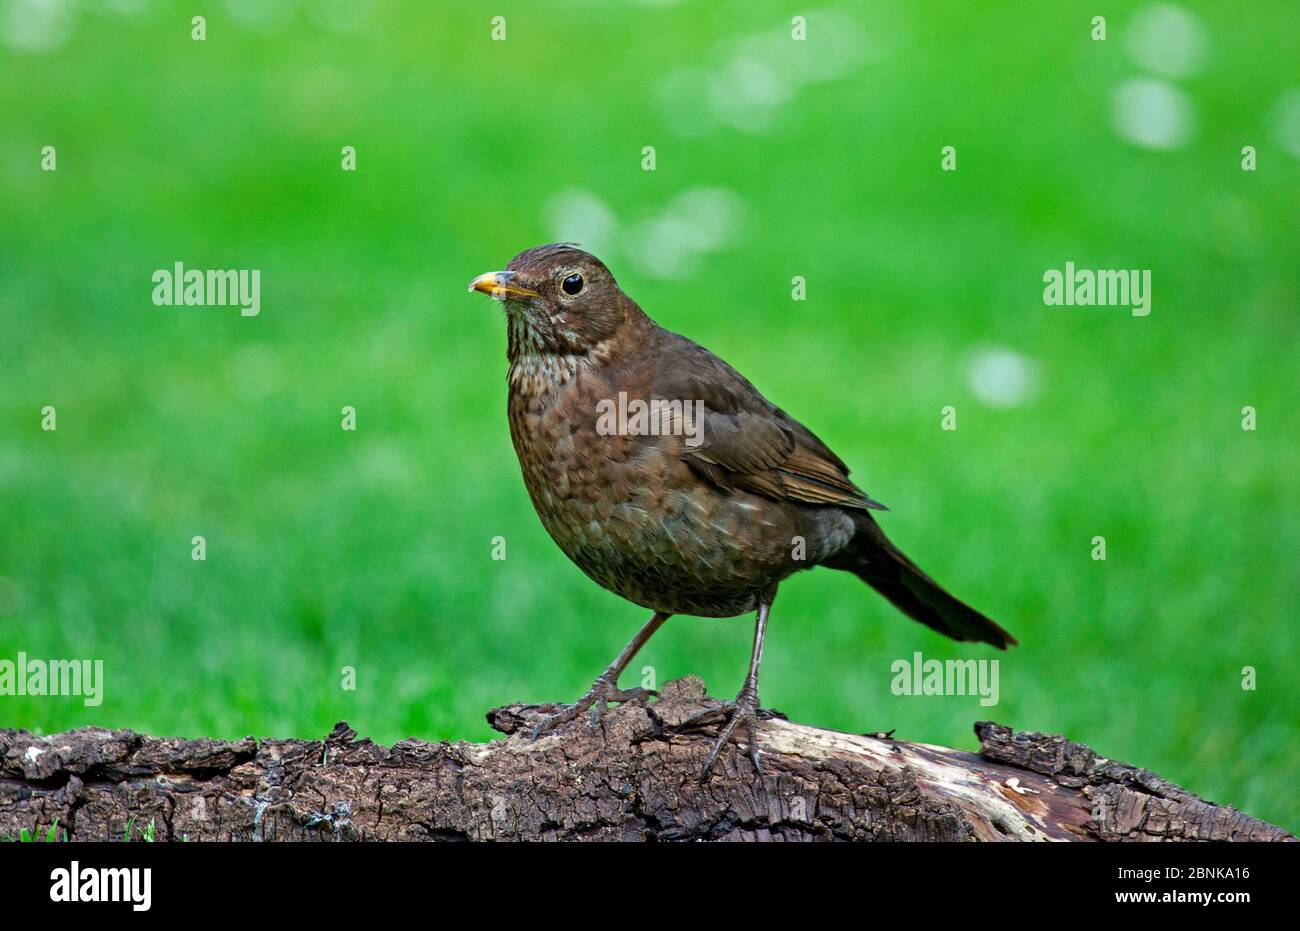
(1001, 377)
(1167, 40)
(36, 25)
(1152, 114)
(1286, 122)
(579, 216)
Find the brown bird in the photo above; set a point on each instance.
(671, 481)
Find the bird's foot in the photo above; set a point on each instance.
(744, 710)
(605, 689)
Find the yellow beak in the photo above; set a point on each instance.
(500, 285)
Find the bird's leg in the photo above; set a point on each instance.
(605, 688)
(745, 708)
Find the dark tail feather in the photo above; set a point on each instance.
(876, 561)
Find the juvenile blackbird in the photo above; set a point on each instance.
(701, 511)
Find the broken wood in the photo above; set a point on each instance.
(636, 778)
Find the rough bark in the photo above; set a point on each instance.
(634, 779)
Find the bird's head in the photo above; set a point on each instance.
(558, 300)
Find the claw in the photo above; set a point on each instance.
(743, 709)
(597, 698)
(552, 721)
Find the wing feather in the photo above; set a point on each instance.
(746, 441)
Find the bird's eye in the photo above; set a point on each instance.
(572, 284)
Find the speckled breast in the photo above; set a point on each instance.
(631, 514)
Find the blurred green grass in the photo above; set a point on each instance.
(373, 549)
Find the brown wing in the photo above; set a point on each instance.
(746, 441)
